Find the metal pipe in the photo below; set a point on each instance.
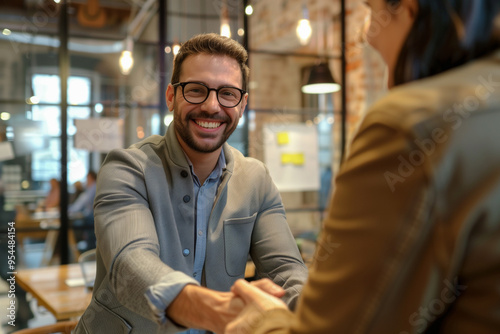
(162, 32)
(343, 76)
(64, 65)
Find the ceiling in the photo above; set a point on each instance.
(102, 26)
(110, 19)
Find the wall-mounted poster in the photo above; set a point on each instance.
(99, 134)
(291, 154)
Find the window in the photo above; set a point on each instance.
(46, 161)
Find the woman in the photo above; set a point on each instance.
(53, 197)
(411, 242)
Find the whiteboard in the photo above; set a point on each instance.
(291, 154)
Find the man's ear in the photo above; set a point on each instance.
(412, 7)
(169, 96)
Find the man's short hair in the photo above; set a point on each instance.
(92, 174)
(212, 44)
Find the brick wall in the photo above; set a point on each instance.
(276, 79)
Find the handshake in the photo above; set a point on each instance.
(236, 312)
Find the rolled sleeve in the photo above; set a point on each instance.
(159, 296)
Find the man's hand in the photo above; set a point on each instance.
(202, 308)
(257, 302)
(199, 307)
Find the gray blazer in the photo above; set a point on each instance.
(144, 222)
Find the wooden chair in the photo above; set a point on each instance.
(64, 327)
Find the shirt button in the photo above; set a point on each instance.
(194, 275)
(185, 252)
(200, 233)
(184, 173)
(186, 198)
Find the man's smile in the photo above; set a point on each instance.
(208, 124)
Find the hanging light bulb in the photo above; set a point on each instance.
(225, 29)
(126, 59)
(249, 10)
(304, 30)
(175, 49)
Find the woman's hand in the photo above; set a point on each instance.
(257, 301)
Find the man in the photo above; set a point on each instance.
(84, 203)
(177, 216)
(81, 212)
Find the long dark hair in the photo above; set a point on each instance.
(446, 34)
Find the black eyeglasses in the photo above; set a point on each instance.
(196, 93)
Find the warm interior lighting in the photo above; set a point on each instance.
(6, 32)
(249, 10)
(140, 132)
(126, 62)
(126, 59)
(176, 49)
(304, 30)
(241, 32)
(225, 29)
(320, 81)
(5, 116)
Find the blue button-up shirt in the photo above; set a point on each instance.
(204, 195)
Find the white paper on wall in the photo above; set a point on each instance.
(291, 154)
(99, 134)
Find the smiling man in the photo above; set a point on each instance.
(178, 215)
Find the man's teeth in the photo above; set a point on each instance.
(208, 125)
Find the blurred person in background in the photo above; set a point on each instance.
(411, 243)
(81, 213)
(84, 203)
(53, 198)
(78, 189)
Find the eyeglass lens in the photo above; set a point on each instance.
(197, 93)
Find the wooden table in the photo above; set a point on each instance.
(45, 224)
(48, 286)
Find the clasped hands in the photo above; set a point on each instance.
(252, 301)
(231, 312)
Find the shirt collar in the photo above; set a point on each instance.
(216, 172)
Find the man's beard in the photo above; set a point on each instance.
(182, 129)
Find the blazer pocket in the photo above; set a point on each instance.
(107, 322)
(237, 237)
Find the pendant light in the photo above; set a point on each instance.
(320, 81)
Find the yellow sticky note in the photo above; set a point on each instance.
(283, 138)
(286, 158)
(297, 159)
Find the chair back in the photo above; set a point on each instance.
(87, 261)
(64, 327)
